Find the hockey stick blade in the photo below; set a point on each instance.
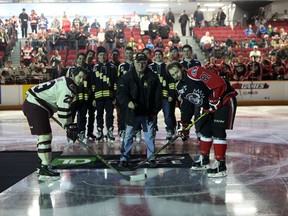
(138, 177)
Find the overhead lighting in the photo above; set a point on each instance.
(213, 5)
(158, 5)
(154, 10)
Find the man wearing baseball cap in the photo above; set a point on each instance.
(139, 90)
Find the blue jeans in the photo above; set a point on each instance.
(148, 128)
(169, 117)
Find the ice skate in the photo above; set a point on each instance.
(121, 136)
(99, 135)
(219, 170)
(202, 163)
(46, 173)
(91, 136)
(82, 138)
(110, 137)
(169, 135)
(138, 137)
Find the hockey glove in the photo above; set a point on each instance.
(72, 131)
(184, 134)
(214, 104)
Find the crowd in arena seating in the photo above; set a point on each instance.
(50, 47)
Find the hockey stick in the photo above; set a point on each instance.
(138, 177)
(167, 144)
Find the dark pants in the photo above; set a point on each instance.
(34, 28)
(91, 117)
(79, 108)
(107, 105)
(183, 30)
(24, 30)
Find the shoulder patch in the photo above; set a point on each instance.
(194, 71)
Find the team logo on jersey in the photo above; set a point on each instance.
(196, 97)
(194, 71)
(182, 90)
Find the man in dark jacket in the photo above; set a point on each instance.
(140, 91)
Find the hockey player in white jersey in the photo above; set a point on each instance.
(41, 102)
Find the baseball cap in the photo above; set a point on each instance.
(140, 56)
(115, 50)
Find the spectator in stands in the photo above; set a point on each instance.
(95, 24)
(150, 45)
(278, 69)
(82, 39)
(262, 30)
(254, 70)
(76, 23)
(55, 24)
(282, 33)
(252, 42)
(255, 54)
(62, 40)
(43, 22)
(161, 19)
(285, 15)
(274, 32)
(66, 24)
(260, 16)
(220, 17)
(132, 43)
(85, 24)
(120, 44)
(265, 42)
(276, 40)
(109, 23)
(23, 73)
(170, 18)
(53, 39)
(198, 17)
(175, 38)
(110, 38)
(4, 39)
(23, 20)
(183, 20)
(217, 52)
(275, 16)
(33, 21)
(42, 43)
(160, 44)
(55, 59)
(229, 55)
(229, 42)
(71, 38)
(273, 51)
(249, 31)
(164, 30)
(101, 36)
(27, 53)
(41, 55)
(282, 53)
(239, 69)
(205, 40)
(144, 26)
(135, 20)
(153, 28)
(269, 29)
(140, 45)
(119, 29)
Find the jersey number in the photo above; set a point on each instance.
(44, 86)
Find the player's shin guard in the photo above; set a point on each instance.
(205, 145)
(44, 148)
(220, 146)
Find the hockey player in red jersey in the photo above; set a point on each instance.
(41, 102)
(213, 94)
